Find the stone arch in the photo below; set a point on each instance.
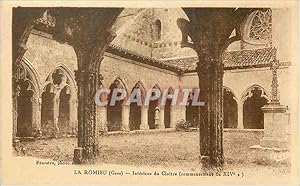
(253, 99)
(115, 111)
(230, 108)
(247, 92)
(71, 79)
(28, 100)
(135, 113)
(59, 102)
(33, 73)
(153, 111)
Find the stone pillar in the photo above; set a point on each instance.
(87, 80)
(240, 116)
(144, 118)
(125, 118)
(56, 115)
(161, 118)
(102, 118)
(39, 114)
(35, 112)
(276, 121)
(173, 115)
(210, 72)
(72, 118)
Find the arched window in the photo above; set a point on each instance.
(157, 30)
(254, 100)
(258, 28)
(261, 25)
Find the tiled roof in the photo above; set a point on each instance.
(117, 50)
(231, 60)
(249, 58)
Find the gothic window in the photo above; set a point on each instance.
(261, 26)
(157, 30)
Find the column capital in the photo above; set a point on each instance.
(208, 64)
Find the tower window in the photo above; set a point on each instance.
(157, 30)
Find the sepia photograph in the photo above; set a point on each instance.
(155, 93)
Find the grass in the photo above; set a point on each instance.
(172, 149)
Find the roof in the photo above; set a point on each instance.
(232, 60)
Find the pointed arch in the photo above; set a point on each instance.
(135, 113)
(69, 75)
(226, 88)
(157, 86)
(120, 82)
(31, 75)
(28, 100)
(254, 98)
(248, 92)
(59, 97)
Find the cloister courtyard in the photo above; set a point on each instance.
(165, 149)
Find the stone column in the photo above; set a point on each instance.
(144, 118)
(102, 118)
(240, 116)
(35, 113)
(161, 118)
(125, 118)
(56, 129)
(72, 118)
(39, 114)
(173, 115)
(87, 81)
(210, 72)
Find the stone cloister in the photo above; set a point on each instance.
(94, 46)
